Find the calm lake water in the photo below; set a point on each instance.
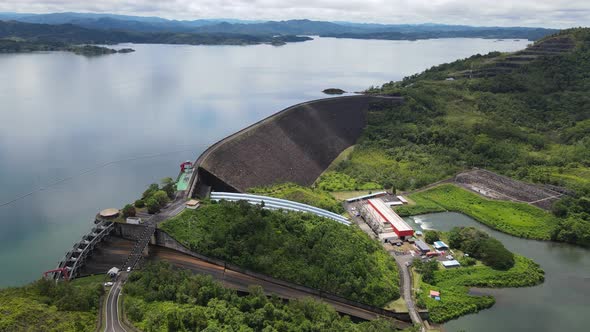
(111, 125)
(559, 304)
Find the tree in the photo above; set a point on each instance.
(161, 197)
(153, 206)
(150, 191)
(139, 203)
(431, 236)
(169, 187)
(128, 211)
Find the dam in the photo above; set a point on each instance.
(294, 145)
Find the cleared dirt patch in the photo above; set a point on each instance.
(495, 186)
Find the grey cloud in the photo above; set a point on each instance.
(547, 13)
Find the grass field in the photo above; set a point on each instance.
(517, 219)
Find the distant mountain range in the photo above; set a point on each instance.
(127, 23)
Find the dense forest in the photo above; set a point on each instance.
(530, 122)
(45, 305)
(297, 247)
(160, 298)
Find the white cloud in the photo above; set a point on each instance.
(546, 13)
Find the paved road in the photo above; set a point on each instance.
(239, 281)
(406, 280)
(113, 321)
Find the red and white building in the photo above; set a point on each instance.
(379, 210)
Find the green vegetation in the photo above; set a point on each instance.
(481, 246)
(47, 306)
(66, 35)
(155, 197)
(498, 268)
(160, 298)
(334, 181)
(23, 46)
(297, 247)
(530, 123)
(431, 236)
(333, 91)
(294, 192)
(518, 219)
(128, 211)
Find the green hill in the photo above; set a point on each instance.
(524, 115)
(297, 247)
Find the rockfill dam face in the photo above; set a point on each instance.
(294, 145)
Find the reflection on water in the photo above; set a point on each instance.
(559, 304)
(62, 114)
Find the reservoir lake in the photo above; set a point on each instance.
(81, 134)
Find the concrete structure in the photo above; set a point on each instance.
(113, 272)
(133, 220)
(422, 246)
(450, 264)
(109, 213)
(294, 145)
(193, 204)
(74, 260)
(360, 198)
(400, 227)
(439, 245)
(402, 199)
(272, 203)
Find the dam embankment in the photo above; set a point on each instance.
(294, 145)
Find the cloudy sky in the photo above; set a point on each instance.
(546, 13)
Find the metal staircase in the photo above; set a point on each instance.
(136, 253)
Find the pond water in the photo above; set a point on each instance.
(108, 126)
(559, 304)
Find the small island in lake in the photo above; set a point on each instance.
(15, 45)
(333, 91)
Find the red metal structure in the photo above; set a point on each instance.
(185, 165)
(64, 271)
(400, 227)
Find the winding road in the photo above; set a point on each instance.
(113, 321)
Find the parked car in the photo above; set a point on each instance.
(108, 284)
(129, 269)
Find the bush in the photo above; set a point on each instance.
(431, 236)
(169, 187)
(426, 269)
(467, 261)
(128, 211)
(150, 191)
(161, 197)
(153, 206)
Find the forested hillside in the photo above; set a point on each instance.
(160, 298)
(525, 115)
(47, 306)
(297, 247)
